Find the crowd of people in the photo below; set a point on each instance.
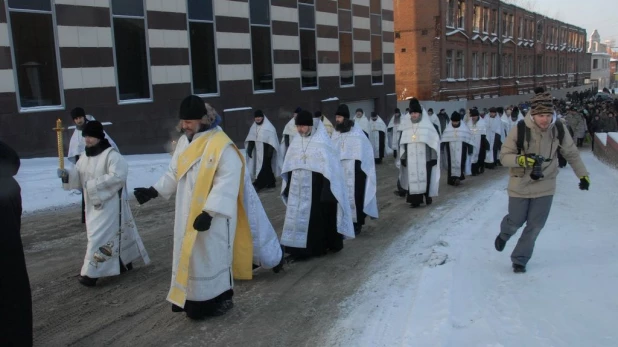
(328, 184)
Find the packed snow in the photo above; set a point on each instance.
(41, 189)
(443, 283)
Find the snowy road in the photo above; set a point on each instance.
(567, 297)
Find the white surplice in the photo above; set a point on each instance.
(363, 123)
(263, 134)
(455, 138)
(110, 225)
(290, 131)
(494, 127)
(476, 131)
(375, 128)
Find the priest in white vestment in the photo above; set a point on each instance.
(377, 137)
(212, 236)
(356, 154)
(495, 130)
(362, 121)
(318, 211)
(420, 155)
(391, 132)
(289, 132)
(113, 241)
(480, 145)
(77, 145)
(511, 118)
(330, 128)
(261, 147)
(457, 147)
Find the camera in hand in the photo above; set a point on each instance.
(537, 168)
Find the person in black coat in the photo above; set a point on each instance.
(15, 296)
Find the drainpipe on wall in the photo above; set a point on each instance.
(500, 63)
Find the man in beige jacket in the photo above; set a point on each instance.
(530, 198)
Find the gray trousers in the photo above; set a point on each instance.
(534, 213)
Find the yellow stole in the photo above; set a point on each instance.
(209, 148)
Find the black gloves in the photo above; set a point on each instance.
(250, 148)
(202, 222)
(584, 183)
(144, 195)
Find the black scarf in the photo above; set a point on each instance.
(98, 148)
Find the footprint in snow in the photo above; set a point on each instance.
(437, 259)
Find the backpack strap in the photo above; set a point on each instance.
(521, 133)
(560, 127)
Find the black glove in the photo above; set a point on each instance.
(202, 222)
(404, 162)
(143, 195)
(584, 183)
(250, 148)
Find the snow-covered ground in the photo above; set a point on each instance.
(567, 297)
(41, 188)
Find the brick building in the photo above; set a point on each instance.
(472, 49)
(130, 62)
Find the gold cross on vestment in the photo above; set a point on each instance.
(304, 158)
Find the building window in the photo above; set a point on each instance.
(346, 50)
(476, 25)
(539, 31)
(595, 64)
(494, 64)
(450, 68)
(461, 67)
(376, 41)
(261, 49)
(494, 22)
(505, 28)
(130, 50)
(202, 45)
(520, 30)
(475, 65)
(511, 26)
(485, 66)
(35, 56)
(450, 13)
(308, 55)
(461, 14)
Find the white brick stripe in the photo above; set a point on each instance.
(287, 71)
(361, 2)
(158, 38)
(328, 70)
(388, 47)
(177, 6)
(84, 36)
(235, 72)
(387, 5)
(362, 46)
(286, 42)
(325, 44)
(88, 77)
(233, 40)
(361, 23)
(91, 3)
(387, 25)
(170, 74)
(389, 69)
(231, 8)
(7, 81)
(4, 34)
(326, 18)
(284, 14)
(362, 69)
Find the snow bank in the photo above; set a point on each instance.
(614, 136)
(41, 188)
(602, 137)
(567, 297)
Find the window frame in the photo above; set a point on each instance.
(450, 64)
(380, 35)
(272, 51)
(339, 31)
(148, 61)
(300, 55)
(214, 38)
(20, 108)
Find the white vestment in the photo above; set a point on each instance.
(418, 138)
(262, 134)
(436, 120)
(375, 128)
(328, 125)
(291, 131)
(352, 146)
(266, 249)
(306, 155)
(363, 123)
(510, 124)
(494, 127)
(110, 225)
(392, 130)
(77, 145)
(455, 138)
(210, 266)
(476, 131)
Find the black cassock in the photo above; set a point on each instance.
(360, 181)
(466, 149)
(381, 144)
(479, 167)
(322, 233)
(15, 297)
(266, 176)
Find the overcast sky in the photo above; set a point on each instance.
(588, 14)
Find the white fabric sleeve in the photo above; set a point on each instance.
(107, 186)
(225, 187)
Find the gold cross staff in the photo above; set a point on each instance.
(59, 129)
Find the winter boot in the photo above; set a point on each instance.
(519, 268)
(499, 244)
(428, 200)
(87, 281)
